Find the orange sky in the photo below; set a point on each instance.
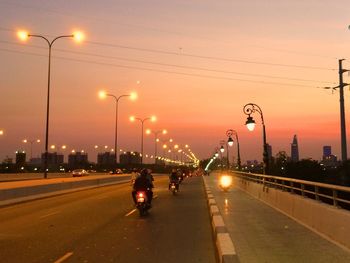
(197, 106)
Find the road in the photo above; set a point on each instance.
(99, 225)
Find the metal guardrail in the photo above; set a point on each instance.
(335, 195)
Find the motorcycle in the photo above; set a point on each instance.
(173, 188)
(142, 202)
(225, 182)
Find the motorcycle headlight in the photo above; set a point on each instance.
(225, 181)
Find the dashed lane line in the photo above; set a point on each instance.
(66, 256)
(131, 212)
(134, 210)
(51, 214)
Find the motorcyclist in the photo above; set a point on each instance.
(134, 175)
(142, 183)
(173, 178)
(180, 175)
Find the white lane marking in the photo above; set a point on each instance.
(132, 211)
(53, 213)
(69, 254)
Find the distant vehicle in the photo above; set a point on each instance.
(79, 172)
(116, 171)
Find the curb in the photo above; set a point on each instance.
(223, 241)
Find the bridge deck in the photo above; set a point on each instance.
(262, 234)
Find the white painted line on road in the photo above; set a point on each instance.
(51, 214)
(132, 211)
(69, 254)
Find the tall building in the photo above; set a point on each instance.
(53, 159)
(106, 158)
(294, 152)
(328, 159)
(20, 157)
(130, 158)
(78, 160)
(269, 151)
(327, 151)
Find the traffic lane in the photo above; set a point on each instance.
(262, 234)
(43, 230)
(177, 229)
(93, 225)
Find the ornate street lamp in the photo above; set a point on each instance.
(230, 141)
(249, 109)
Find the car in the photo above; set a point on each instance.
(79, 172)
(116, 171)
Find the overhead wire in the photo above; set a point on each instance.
(172, 65)
(159, 70)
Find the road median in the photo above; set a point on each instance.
(22, 191)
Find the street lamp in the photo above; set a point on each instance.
(103, 95)
(229, 134)
(31, 145)
(1, 132)
(152, 119)
(249, 109)
(156, 140)
(24, 35)
(222, 150)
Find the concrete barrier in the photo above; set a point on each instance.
(223, 242)
(328, 221)
(18, 192)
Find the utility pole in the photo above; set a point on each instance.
(342, 111)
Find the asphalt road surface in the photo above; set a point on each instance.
(101, 225)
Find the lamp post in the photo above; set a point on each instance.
(156, 140)
(103, 95)
(229, 134)
(222, 150)
(23, 35)
(132, 119)
(249, 109)
(31, 145)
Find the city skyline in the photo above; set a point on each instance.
(162, 59)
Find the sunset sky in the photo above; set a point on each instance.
(194, 64)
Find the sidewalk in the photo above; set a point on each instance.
(262, 234)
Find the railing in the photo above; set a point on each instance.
(335, 195)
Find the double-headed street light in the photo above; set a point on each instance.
(229, 134)
(152, 119)
(31, 145)
(156, 140)
(103, 95)
(249, 109)
(24, 35)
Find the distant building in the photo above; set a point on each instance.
(327, 151)
(35, 161)
(130, 158)
(269, 151)
(78, 159)
(53, 159)
(106, 158)
(20, 158)
(294, 152)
